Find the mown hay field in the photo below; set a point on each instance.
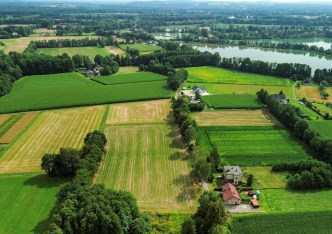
(157, 111)
(137, 77)
(4, 118)
(232, 101)
(148, 161)
(50, 132)
(115, 50)
(252, 145)
(72, 89)
(324, 127)
(312, 93)
(26, 201)
(9, 120)
(127, 70)
(305, 110)
(323, 108)
(225, 76)
(143, 48)
(90, 51)
(233, 118)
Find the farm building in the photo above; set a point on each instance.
(280, 97)
(233, 174)
(255, 203)
(230, 195)
(200, 89)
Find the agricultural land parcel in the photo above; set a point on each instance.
(232, 101)
(143, 48)
(312, 93)
(90, 51)
(323, 127)
(72, 89)
(137, 77)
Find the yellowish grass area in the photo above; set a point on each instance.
(312, 93)
(127, 70)
(17, 128)
(51, 131)
(3, 118)
(140, 112)
(234, 118)
(115, 50)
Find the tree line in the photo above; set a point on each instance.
(60, 43)
(82, 207)
(13, 31)
(9, 73)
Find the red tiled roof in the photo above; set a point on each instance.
(229, 192)
(254, 202)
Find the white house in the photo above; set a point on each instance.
(233, 174)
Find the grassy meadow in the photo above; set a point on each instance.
(232, 101)
(90, 51)
(224, 76)
(324, 127)
(72, 89)
(305, 110)
(137, 77)
(143, 48)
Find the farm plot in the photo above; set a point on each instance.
(291, 222)
(137, 77)
(90, 51)
(115, 50)
(72, 89)
(140, 112)
(312, 93)
(324, 127)
(4, 118)
(127, 70)
(51, 131)
(224, 76)
(26, 201)
(9, 120)
(233, 118)
(253, 146)
(323, 108)
(143, 48)
(148, 161)
(232, 101)
(305, 110)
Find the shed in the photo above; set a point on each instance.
(255, 203)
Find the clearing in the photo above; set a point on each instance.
(50, 132)
(324, 127)
(137, 77)
(232, 101)
(90, 51)
(234, 118)
(115, 50)
(143, 48)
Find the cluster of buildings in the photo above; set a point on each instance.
(191, 93)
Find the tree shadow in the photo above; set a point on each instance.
(186, 183)
(43, 181)
(178, 156)
(43, 225)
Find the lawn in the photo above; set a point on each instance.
(26, 201)
(72, 89)
(252, 146)
(225, 76)
(150, 162)
(232, 101)
(137, 77)
(317, 222)
(143, 48)
(90, 51)
(234, 118)
(324, 127)
(51, 131)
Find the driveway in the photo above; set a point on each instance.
(242, 208)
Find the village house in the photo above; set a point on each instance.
(233, 174)
(280, 97)
(230, 195)
(200, 89)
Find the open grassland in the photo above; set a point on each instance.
(312, 93)
(72, 89)
(324, 127)
(10, 122)
(90, 51)
(148, 161)
(233, 118)
(305, 110)
(252, 146)
(115, 50)
(26, 201)
(323, 108)
(10, 135)
(291, 222)
(225, 76)
(157, 111)
(127, 70)
(242, 89)
(51, 131)
(143, 48)
(232, 101)
(137, 77)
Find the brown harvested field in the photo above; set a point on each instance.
(115, 50)
(3, 118)
(234, 118)
(312, 93)
(140, 112)
(51, 131)
(10, 135)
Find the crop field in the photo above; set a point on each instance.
(252, 146)
(51, 131)
(233, 118)
(290, 222)
(9, 120)
(312, 93)
(90, 51)
(242, 89)
(324, 127)
(157, 111)
(26, 201)
(148, 161)
(4, 118)
(224, 76)
(127, 70)
(143, 48)
(115, 50)
(137, 77)
(72, 89)
(232, 101)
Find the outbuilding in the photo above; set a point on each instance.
(255, 203)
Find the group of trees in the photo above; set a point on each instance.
(13, 31)
(174, 80)
(108, 64)
(321, 75)
(59, 43)
(9, 73)
(86, 208)
(307, 174)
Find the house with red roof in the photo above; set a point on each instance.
(230, 195)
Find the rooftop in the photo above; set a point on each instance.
(233, 170)
(229, 192)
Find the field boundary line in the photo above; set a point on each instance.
(104, 119)
(201, 82)
(135, 82)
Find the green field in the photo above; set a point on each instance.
(143, 48)
(324, 127)
(252, 146)
(72, 89)
(224, 76)
(305, 110)
(26, 201)
(137, 77)
(90, 51)
(232, 101)
(293, 222)
(323, 108)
